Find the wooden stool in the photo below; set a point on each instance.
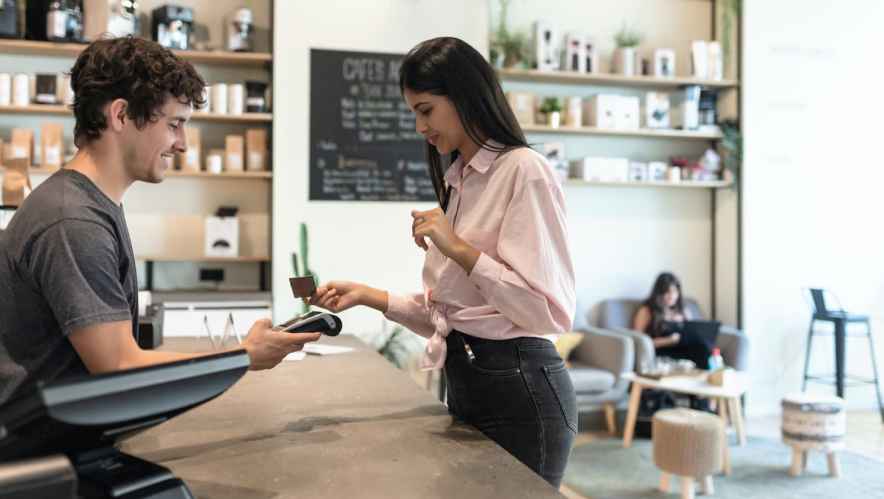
(687, 444)
(814, 422)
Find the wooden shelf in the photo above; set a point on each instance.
(643, 132)
(63, 110)
(59, 109)
(234, 118)
(686, 184)
(263, 175)
(601, 79)
(29, 47)
(202, 259)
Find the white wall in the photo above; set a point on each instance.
(812, 199)
(368, 242)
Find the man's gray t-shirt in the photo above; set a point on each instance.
(66, 262)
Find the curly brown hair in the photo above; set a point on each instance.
(140, 71)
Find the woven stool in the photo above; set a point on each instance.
(688, 444)
(814, 422)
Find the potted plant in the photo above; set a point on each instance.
(508, 49)
(552, 109)
(731, 147)
(625, 55)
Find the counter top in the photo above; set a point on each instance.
(336, 426)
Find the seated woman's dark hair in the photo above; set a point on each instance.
(451, 67)
(140, 71)
(654, 301)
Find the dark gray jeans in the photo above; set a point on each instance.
(519, 394)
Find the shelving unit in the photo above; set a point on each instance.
(150, 260)
(262, 175)
(216, 59)
(643, 132)
(29, 47)
(604, 79)
(687, 184)
(63, 110)
(691, 140)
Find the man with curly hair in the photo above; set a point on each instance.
(68, 284)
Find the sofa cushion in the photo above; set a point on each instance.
(590, 380)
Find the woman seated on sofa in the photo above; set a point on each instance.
(662, 313)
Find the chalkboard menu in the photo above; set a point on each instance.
(363, 145)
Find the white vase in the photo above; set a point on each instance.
(555, 119)
(625, 61)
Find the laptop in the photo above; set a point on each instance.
(700, 333)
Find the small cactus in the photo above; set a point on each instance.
(305, 254)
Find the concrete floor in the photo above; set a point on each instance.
(865, 435)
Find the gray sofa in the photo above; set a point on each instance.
(597, 366)
(616, 316)
(611, 348)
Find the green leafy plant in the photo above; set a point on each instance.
(730, 14)
(732, 146)
(506, 48)
(305, 260)
(627, 37)
(551, 105)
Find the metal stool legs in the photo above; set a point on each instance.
(875, 370)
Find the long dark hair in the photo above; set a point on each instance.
(451, 67)
(655, 300)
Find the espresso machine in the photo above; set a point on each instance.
(56, 20)
(172, 26)
(239, 28)
(114, 17)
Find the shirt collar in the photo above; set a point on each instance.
(481, 162)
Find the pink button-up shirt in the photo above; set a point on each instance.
(511, 208)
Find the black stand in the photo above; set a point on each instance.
(109, 473)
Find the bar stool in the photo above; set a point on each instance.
(839, 319)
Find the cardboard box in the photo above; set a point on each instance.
(22, 144)
(574, 55)
(16, 182)
(595, 169)
(628, 113)
(664, 63)
(51, 145)
(590, 55)
(234, 153)
(256, 150)
(685, 108)
(601, 111)
(222, 237)
(699, 59)
(191, 160)
(522, 104)
(716, 61)
(656, 110)
(546, 47)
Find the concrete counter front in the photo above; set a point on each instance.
(336, 426)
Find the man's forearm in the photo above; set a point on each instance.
(143, 358)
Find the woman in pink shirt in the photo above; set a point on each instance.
(498, 278)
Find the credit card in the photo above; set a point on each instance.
(302, 287)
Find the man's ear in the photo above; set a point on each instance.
(116, 114)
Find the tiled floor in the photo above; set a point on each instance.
(865, 435)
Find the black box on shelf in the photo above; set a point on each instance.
(150, 328)
(9, 18)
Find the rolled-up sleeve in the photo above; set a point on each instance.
(532, 283)
(411, 311)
